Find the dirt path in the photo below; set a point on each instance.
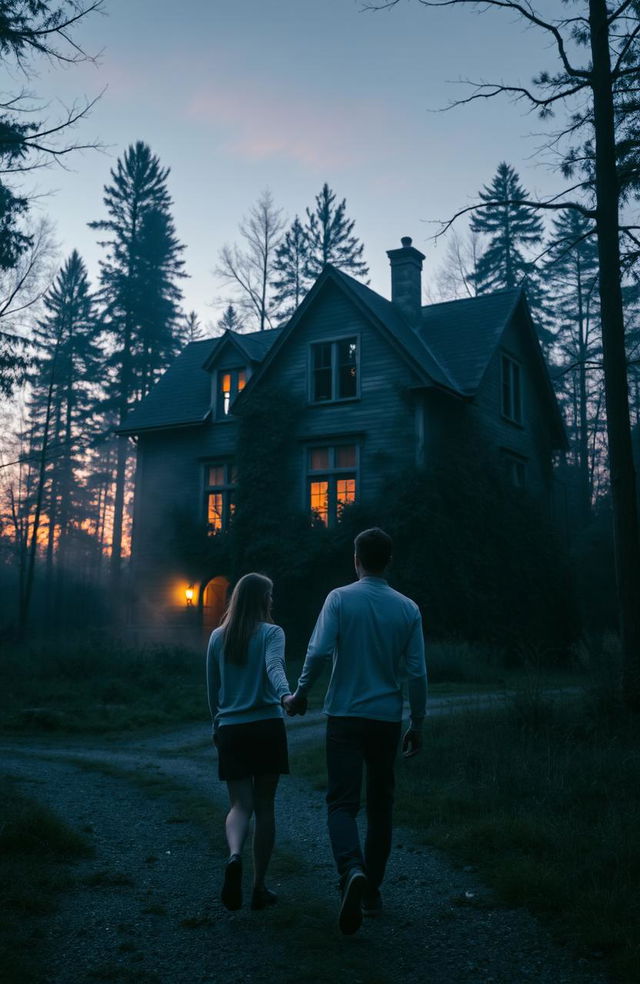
(145, 908)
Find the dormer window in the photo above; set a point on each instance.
(334, 370)
(511, 389)
(230, 383)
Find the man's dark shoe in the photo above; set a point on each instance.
(371, 903)
(231, 894)
(350, 918)
(262, 898)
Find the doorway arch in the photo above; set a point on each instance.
(214, 601)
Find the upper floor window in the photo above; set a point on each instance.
(511, 389)
(331, 480)
(230, 383)
(220, 482)
(334, 370)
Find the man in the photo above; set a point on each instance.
(373, 635)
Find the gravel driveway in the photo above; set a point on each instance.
(146, 907)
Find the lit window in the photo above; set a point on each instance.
(331, 480)
(220, 481)
(230, 383)
(334, 370)
(511, 390)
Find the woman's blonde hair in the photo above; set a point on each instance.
(249, 604)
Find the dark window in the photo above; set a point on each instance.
(515, 467)
(331, 480)
(230, 383)
(511, 389)
(334, 370)
(220, 481)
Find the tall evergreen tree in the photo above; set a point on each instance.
(512, 229)
(139, 290)
(66, 371)
(330, 237)
(291, 279)
(571, 275)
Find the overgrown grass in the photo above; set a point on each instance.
(84, 687)
(544, 799)
(34, 846)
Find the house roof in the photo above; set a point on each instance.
(182, 395)
(464, 334)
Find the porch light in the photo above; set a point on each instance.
(189, 595)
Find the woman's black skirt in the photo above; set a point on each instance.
(258, 748)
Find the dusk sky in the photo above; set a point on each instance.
(239, 96)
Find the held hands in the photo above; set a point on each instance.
(411, 743)
(295, 704)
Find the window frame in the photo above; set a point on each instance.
(331, 474)
(226, 489)
(515, 467)
(234, 372)
(511, 381)
(334, 342)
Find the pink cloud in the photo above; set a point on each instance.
(260, 122)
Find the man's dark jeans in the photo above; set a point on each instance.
(352, 744)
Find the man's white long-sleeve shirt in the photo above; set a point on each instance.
(373, 635)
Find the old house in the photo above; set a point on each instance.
(380, 385)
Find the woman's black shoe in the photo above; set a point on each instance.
(262, 898)
(231, 894)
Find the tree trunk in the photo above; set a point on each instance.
(623, 489)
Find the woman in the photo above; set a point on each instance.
(247, 684)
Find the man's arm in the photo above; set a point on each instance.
(417, 688)
(322, 643)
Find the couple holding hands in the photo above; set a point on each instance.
(373, 637)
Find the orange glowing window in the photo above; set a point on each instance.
(319, 500)
(230, 383)
(220, 482)
(332, 481)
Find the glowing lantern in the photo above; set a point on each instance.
(189, 595)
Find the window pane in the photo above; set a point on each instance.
(233, 475)
(347, 372)
(517, 408)
(242, 380)
(322, 384)
(345, 492)
(346, 456)
(216, 475)
(225, 383)
(318, 459)
(319, 500)
(507, 405)
(214, 511)
(322, 356)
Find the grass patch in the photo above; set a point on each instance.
(543, 798)
(35, 848)
(86, 687)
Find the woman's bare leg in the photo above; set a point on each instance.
(264, 792)
(239, 815)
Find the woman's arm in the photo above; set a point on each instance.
(213, 682)
(274, 661)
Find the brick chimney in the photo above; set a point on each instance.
(406, 279)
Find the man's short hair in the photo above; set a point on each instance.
(373, 549)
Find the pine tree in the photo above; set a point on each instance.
(63, 399)
(571, 275)
(330, 238)
(230, 320)
(512, 229)
(290, 277)
(191, 330)
(139, 290)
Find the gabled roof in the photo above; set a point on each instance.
(377, 308)
(253, 345)
(464, 334)
(182, 395)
